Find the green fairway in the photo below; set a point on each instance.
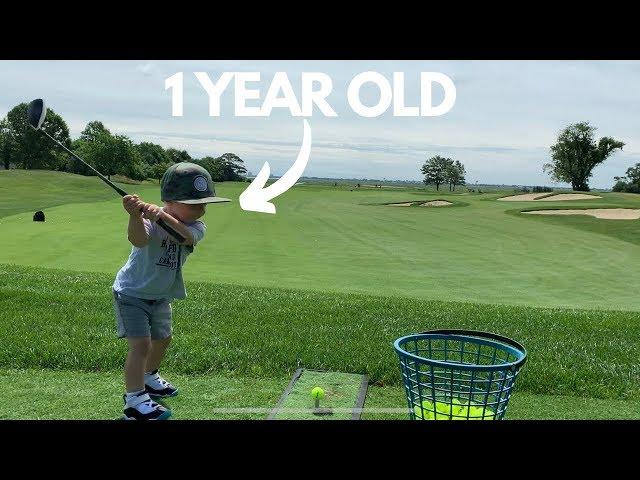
(32, 190)
(328, 283)
(331, 239)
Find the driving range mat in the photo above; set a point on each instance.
(344, 395)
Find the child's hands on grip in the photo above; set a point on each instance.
(132, 204)
(151, 212)
(135, 207)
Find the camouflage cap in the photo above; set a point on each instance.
(186, 182)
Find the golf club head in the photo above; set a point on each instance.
(36, 113)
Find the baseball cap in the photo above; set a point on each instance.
(187, 182)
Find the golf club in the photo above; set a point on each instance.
(36, 114)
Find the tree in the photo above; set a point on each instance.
(156, 171)
(93, 130)
(111, 154)
(461, 180)
(233, 167)
(620, 185)
(176, 156)
(454, 174)
(5, 143)
(30, 149)
(576, 154)
(152, 154)
(633, 174)
(227, 167)
(435, 170)
(213, 166)
(630, 183)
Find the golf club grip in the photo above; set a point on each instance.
(170, 230)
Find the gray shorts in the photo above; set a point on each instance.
(142, 318)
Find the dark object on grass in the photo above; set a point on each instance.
(38, 216)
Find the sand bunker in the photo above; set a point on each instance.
(400, 204)
(531, 197)
(527, 197)
(435, 203)
(605, 213)
(568, 196)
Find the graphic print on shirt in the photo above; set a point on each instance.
(169, 258)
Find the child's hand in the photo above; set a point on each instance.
(151, 212)
(132, 204)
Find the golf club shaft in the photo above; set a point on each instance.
(160, 222)
(102, 177)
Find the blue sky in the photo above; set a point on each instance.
(506, 116)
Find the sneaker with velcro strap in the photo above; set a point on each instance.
(158, 387)
(142, 407)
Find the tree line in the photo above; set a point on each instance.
(108, 153)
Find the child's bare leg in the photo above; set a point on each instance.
(134, 367)
(156, 353)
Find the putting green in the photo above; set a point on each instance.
(343, 395)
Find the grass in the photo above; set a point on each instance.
(332, 240)
(625, 230)
(67, 395)
(64, 320)
(32, 190)
(341, 393)
(328, 283)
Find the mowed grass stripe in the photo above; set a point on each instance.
(64, 320)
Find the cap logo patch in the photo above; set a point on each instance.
(200, 183)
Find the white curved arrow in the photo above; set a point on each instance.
(256, 199)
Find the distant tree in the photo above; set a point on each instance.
(227, 167)
(156, 171)
(576, 153)
(93, 130)
(630, 183)
(111, 154)
(30, 149)
(633, 174)
(435, 171)
(233, 167)
(620, 185)
(5, 143)
(213, 166)
(176, 156)
(454, 174)
(152, 154)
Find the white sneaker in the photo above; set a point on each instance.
(156, 386)
(141, 407)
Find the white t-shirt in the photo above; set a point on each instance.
(154, 272)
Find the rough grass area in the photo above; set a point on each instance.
(64, 320)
